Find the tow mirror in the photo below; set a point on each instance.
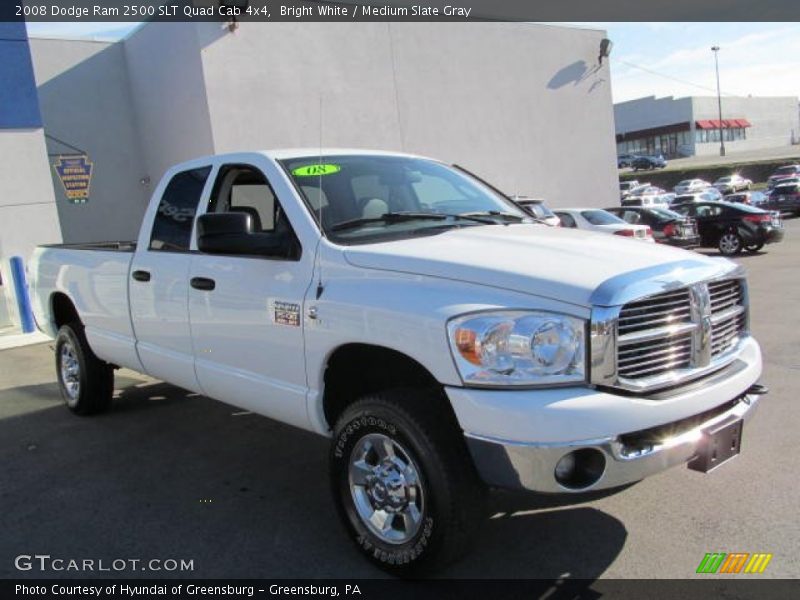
(232, 233)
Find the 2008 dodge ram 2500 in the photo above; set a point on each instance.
(445, 341)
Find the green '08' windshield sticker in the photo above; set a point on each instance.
(314, 170)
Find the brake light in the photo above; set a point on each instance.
(625, 232)
(670, 229)
(765, 218)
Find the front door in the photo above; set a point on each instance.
(247, 311)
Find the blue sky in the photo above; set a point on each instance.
(661, 59)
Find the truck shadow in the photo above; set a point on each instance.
(168, 474)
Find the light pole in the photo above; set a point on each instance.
(715, 50)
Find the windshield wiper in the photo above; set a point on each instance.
(399, 217)
(495, 213)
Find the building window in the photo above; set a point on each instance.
(729, 134)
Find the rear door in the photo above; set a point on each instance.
(159, 279)
(710, 222)
(246, 312)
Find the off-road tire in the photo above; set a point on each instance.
(454, 498)
(77, 364)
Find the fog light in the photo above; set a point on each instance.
(580, 469)
(565, 467)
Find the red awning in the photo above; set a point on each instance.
(726, 123)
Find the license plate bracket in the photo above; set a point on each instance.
(720, 443)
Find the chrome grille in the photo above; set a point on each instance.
(679, 330)
(727, 315)
(655, 335)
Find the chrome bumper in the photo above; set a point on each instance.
(531, 466)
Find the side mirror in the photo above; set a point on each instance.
(232, 233)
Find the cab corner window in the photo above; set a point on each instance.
(172, 227)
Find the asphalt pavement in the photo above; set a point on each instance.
(171, 475)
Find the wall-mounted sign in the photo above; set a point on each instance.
(75, 173)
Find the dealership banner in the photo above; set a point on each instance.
(398, 10)
(391, 589)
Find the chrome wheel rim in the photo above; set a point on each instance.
(70, 371)
(386, 488)
(729, 243)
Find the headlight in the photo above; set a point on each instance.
(518, 348)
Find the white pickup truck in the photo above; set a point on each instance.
(445, 341)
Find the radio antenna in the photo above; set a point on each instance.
(320, 287)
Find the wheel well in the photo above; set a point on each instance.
(62, 310)
(354, 370)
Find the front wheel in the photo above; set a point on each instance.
(85, 381)
(730, 244)
(403, 481)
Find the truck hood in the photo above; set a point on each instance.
(562, 264)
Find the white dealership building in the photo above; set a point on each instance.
(691, 126)
(525, 106)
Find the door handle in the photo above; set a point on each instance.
(203, 283)
(141, 275)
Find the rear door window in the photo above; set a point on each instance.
(172, 227)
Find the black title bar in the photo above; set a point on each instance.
(399, 10)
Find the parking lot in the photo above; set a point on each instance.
(168, 474)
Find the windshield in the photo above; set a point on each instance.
(600, 217)
(785, 170)
(537, 209)
(352, 195)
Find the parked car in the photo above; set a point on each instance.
(749, 197)
(596, 219)
(732, 183)
(537, 208)
(705, 196)
(625, 187)
(441, 343)
(690, 186)
(668, 227)
(782, 173)
(647, 200)
(646, 163)
(647, 190)
(784, 197)
(785, 181)
(625, 160)
(732, 228)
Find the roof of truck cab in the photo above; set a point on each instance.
(285, 153)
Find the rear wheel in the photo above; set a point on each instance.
(730, 244)
(403, 481)
(85, 381)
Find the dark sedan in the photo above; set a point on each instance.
(648, 162)
(733, 227)
(668, 226)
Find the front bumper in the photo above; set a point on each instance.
(516, 438)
